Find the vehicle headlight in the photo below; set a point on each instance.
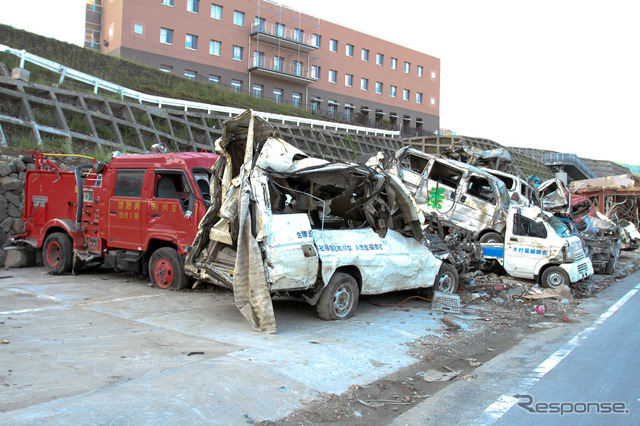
(569, 252)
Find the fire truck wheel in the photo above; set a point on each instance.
(339, 299)
(166, 269)
(57, 253)
(554, 277)
(447, 279)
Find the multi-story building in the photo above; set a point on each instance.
(275, 52)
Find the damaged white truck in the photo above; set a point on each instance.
(539, 247)
(282, 223)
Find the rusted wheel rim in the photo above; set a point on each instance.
(342, 301)
(54, 254)
(555, 279)
(163, 273)
(445, 283)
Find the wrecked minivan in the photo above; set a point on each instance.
(555, 197)
(460, 195)
(521, 193)
(284, 224)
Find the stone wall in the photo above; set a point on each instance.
(12, 173)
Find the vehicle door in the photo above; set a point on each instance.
(291, 257)
(477, 203)
(437, 193)
(171, 205)
(127, 211)
(525, 246)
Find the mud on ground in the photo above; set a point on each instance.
(497, 314)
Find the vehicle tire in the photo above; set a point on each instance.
(554, 277)
(57, 253)
(446, 280)
(166, 269)
(492, 238)
(339, 299)
(611, 266)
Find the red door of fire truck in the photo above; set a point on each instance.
(173, 213)
(127, 211)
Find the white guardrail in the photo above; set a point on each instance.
(160, 101)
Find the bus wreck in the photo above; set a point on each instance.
(282, 223)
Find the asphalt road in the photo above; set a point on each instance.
(564, 375)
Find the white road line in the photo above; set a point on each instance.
(496, 410)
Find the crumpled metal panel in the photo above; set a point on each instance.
(556, 197)
(392, 263)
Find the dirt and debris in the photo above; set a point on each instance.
(498, 312)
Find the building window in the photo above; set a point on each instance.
(193, 6)
(258, 59)
(378, 87)
(236, 85)
(392, 91)
(166, 36)
(278, 63)
(238, 18)
(165, 68)
(190, 75)
(350, 50)
(407, 67)
(259, 24)
(333, 76)
(364, 83)
(418, 97)
(348, 80)
(333, 45)
(297, 68)
(393, 63)
(257, 90)
(138, 29)
(331, 109)
(277, 95)
(315, 103)
(315, 71)
(296, 99)
(167, 2)
(214, 79)
(348, 111)
(191, 42)
(365, 54)
(419, 70)
(406, 93)
(433, 75)
(433, 100)
(279, 29)
(214, 47)
(237, 53)
(315, 40)
(216, 11)
(379, 59)
(298, 35)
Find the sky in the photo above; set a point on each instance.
(562, 75)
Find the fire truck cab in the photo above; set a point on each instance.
(137, 213)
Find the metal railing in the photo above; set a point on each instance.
(569, 159)
(160, 101)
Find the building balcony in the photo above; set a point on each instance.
(295, 72)
(283, 37)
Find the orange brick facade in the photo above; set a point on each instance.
(271, 51)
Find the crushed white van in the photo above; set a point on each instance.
(282, 223)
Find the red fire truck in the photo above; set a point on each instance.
(137, 213)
